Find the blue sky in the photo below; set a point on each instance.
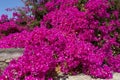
(9, 4)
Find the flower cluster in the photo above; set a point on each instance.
(9, 26)
(69, 40)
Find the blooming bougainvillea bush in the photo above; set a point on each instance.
(73, 36)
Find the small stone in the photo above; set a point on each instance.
(8, 60)
(2, 59)
(2, 65)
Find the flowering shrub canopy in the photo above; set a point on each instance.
(72, 36)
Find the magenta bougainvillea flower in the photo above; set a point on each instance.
(73, 37)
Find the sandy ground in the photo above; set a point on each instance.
(116, 76)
